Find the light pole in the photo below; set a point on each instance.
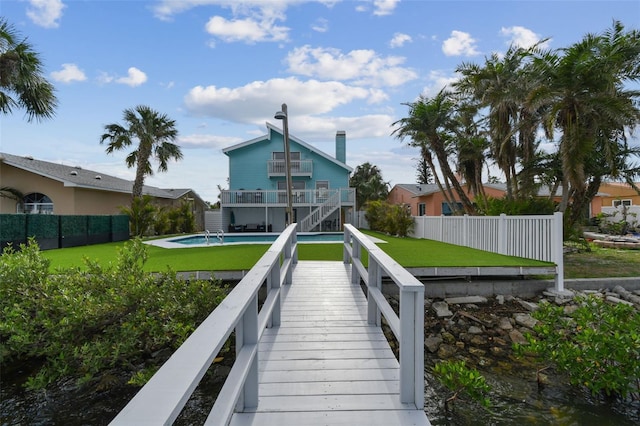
(283, 115)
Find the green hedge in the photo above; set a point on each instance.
(56, 231)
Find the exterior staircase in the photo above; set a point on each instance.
(320, 213)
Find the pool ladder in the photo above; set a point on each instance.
(219, 235)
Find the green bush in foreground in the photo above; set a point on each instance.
(597, 345)
(87, 322)
(462, 380)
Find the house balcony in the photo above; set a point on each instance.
(273, 198)
(277, 168)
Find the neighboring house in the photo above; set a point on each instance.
(257, 196)
(428, 200)
(51, 188)
(615, 194)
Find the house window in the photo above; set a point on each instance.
(37, 203)
(446, 210)
(422, 208)
(618, 203)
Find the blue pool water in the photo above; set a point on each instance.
(335, 237)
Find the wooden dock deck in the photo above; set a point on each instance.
(324, 364)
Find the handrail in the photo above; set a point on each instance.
(320, 213)
(162, 399)
(409, 327)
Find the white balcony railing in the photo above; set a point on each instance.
(298, 168)
(271, 198)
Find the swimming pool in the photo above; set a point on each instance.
(262, 238)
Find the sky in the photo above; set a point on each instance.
(222, 69)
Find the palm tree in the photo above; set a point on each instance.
(429, 125)
(585, 98)
(499, 85)
(22, 84)
(154, 134)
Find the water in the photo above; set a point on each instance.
(517, 401)
(334, 237)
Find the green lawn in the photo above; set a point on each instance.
(408, 252)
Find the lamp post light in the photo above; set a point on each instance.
(283, 115)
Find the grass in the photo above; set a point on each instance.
(602, 263)
(408, 252)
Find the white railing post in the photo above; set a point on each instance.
(557, 249)
(247, 334)
(374, 281)
(411, 347)
(355, 254)
(465, 231)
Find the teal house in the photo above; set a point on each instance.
(256, 200)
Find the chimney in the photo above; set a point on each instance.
(341, 146)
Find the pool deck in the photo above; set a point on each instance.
(169, 243)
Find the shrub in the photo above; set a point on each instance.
(83, 322)
(597, 346)
(391, 219)
(462, 380)
(511, 206)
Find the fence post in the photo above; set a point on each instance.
(502, 234)
(465, 230)
(557, 249)
(374, 280)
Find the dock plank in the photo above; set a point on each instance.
(324, 364)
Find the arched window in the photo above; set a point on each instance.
(37, 203)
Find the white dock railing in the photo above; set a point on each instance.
(162, 399)
(536, 237)
(409, 327)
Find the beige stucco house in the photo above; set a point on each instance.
(67, 190)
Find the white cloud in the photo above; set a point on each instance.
(45, 13)
(438, 80)
(321, 25)
(256, 102)
(207, 141)
(359, 66)
(68, 73)
(521, 36)
(384, 7)
(134, 77)
(400, 39)
(247, 30)
(460, 43)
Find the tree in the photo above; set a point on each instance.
(22, 84)
(429, 126)
(154, 134)
(367, 180)
(583, 92)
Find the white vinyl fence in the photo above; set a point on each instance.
(533, 237)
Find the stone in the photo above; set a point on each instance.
(496, 351)
(441, 309)
(525, 320)
(614, 299)
(504, 323)
(477, 351)
(569, 309)
(448, 338)
(517, 337)
(460, 345)
(465, 300)
(432, 343)
(475, 330)
(500, 299)
(529, 306)
(478, 340)
(446, 351)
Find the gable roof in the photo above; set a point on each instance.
(300, 142)
(74, 176)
